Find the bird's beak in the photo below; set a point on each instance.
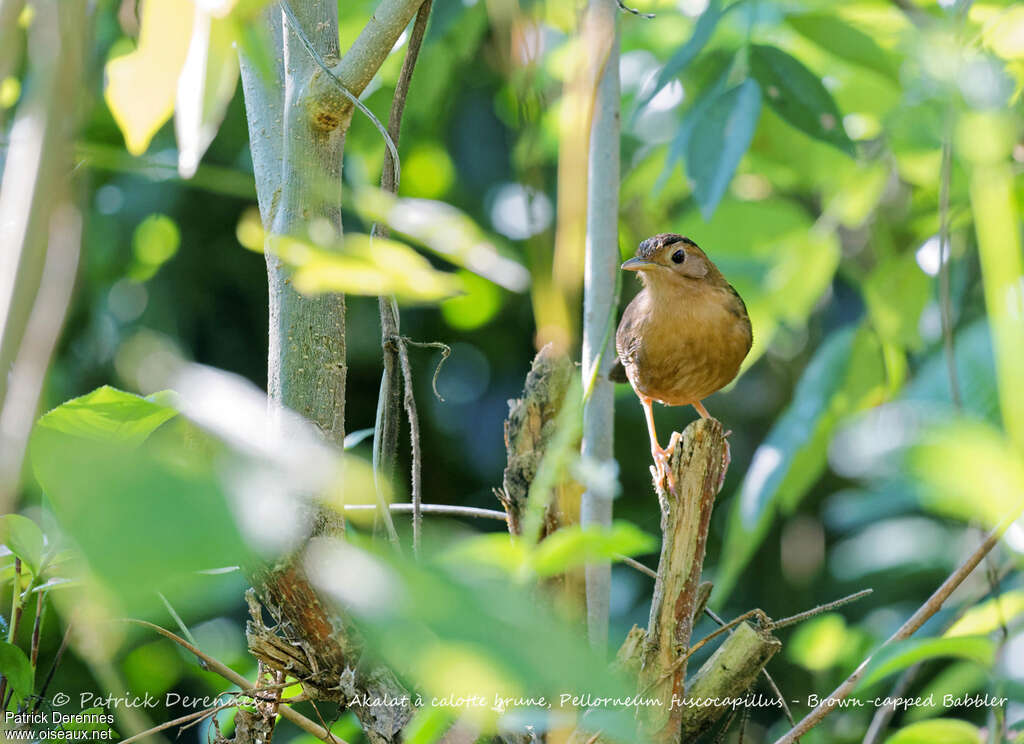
(637, 264)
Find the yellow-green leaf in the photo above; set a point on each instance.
(142, 85)
(988, 616)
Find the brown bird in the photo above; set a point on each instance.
(683, 336)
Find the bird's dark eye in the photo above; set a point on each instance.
(678, 256)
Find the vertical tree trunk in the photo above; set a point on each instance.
(297, 119)
(601, 263)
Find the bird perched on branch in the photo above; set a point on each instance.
(683, 336)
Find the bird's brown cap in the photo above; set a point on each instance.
(649, 248)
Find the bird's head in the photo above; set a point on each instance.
(667, 257)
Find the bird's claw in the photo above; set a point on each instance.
(664, 473)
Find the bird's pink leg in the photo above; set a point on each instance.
(727, 452)
(660, 455)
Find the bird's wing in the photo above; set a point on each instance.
(627, 339)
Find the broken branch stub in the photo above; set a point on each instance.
(528, 430)
(725, 676)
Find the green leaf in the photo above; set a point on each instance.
(939, 731)
(24, 538)
(108, 415)
(18, 670)
(693, 116)
(990, 615)
(837, 37)
(365, 266)
(898, 656)
(678, 62)
(846, 373)
(205, 88)
(574, 546)
(798, 96)
(718, 142)
(95, 458)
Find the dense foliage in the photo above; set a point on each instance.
(839, 162)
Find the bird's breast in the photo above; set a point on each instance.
(684, 352)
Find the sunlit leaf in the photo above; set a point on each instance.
(718, 142)
(837, 37)
(898, 656)
(820, 643)
(205, 87)
(939, 731)
(446, 231)
(989, 615)
(366, 266)
(970, 471)
(702, 32)
(359, 265)
(17, 669)
(574, 546)
(142, 86)
(108, 415)
(798, 96)
(24, 539)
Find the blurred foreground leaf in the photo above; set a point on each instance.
(143, 509)
(564, 549)
(205, 87)
(575, 545)
(466, 638)
(898, 656)
(359, 265)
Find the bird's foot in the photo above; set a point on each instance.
(663, 475)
